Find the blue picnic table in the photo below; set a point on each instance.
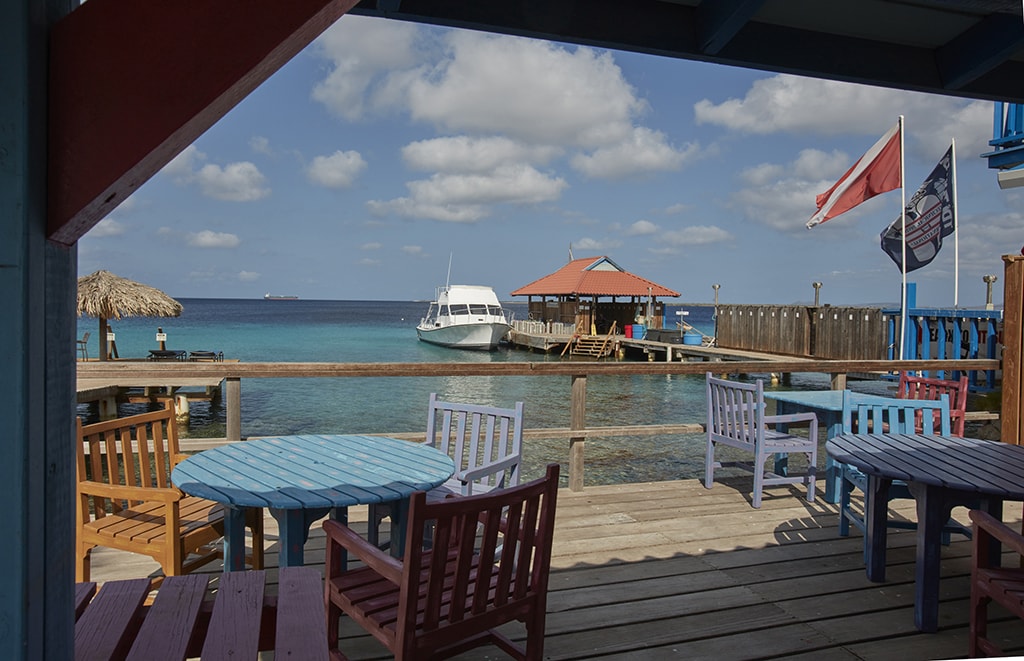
(828, 406)
(300, 479)
(942, 472)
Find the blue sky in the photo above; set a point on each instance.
(385, 147)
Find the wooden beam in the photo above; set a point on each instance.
(1013, 345)
(132, 84)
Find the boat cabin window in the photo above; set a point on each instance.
(494, 309)
(476, 308)
(459, 309)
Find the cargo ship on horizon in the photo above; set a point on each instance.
(273, 297)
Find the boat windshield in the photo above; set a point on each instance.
(495, 310)
(477, 308)
(459, 310)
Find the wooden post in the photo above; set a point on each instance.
(1013, 345)
(838, 382)
(578, 410)
(233, 412)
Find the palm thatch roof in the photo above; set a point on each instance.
(108, 296)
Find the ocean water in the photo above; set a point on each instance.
(384, 331)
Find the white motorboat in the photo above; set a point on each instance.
(464, 317)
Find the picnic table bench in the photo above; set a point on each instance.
(116, 622)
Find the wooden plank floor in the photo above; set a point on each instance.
(673, 570)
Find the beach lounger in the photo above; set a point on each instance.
(217, 356)
(166, 354)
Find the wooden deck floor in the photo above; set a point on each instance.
(673, 570)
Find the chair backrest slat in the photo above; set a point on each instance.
(920, 387)
(895, 416)
(736, 411)
(475, 435)
(466, 576)
(136, 451)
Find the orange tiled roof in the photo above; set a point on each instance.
(593, 276)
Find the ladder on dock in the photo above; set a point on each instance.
(595, 346)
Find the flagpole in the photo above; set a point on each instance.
(903, 230)
(956, 231)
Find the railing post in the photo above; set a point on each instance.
(1013, 325)
(233, 410)
(578, 410)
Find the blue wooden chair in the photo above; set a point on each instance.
(486, 443)
(736, 418)
(896, 416)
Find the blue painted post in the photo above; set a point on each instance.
(910, 339)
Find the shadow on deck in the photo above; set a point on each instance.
(670, 569)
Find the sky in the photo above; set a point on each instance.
(386, 149)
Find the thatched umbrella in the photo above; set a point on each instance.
(108, 296)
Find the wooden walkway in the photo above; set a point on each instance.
(673, 570)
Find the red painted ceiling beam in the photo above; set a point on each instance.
(132, 84)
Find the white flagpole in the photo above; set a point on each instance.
(956, 231)
(903, 225)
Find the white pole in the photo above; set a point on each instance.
(903, 231)
(956, 231)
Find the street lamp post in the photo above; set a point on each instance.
(989, 279)
(817, 291)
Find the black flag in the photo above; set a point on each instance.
(929, 218)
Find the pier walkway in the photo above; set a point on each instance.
(674, 570)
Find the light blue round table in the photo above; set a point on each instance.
(302, 478)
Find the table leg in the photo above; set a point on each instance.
(293, 526)
(399, 512)
(876, 530)
(340, 514)
(832, 421)
(933, 509)
(234, 538)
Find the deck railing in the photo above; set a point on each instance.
(578, 372)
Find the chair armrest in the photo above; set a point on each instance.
(792, 417)
(474, 474)
(377, 560)
(989, 525)
(121, 492)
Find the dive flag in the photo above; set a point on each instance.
(929, 217)
(877, 171)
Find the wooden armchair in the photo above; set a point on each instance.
(488, 564)
(736, 418)
(992, 582)
(896, 416)
(919, 387)
(486, 443)
(126, 500)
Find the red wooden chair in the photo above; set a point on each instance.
(991, 582)
(488, 564)
(919, 387)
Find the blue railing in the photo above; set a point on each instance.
(947, 334)
(1007, 137)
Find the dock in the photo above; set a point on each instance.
(107, 392)
(673, 570)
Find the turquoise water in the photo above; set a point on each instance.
(384, 331)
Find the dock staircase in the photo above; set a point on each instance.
(595, 346)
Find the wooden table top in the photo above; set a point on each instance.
(965, 464)
(312, 471)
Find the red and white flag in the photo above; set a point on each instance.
(877, 171)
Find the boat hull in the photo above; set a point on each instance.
(477, 336)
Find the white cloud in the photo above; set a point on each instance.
(595, 245)
(466, 154)
(339, 170)
(236, 182)
(696, 235)
(647, 151)
(260, 145)
(462, 198)
(107, 227)
(210, 239)
(642, 228)
(371, 246)
(792, 104)
(361, 50)
(248, 276)
(412, 250)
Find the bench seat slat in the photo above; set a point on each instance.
(235, 623)
(301, 627)
(171, 620)
(107, 627)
